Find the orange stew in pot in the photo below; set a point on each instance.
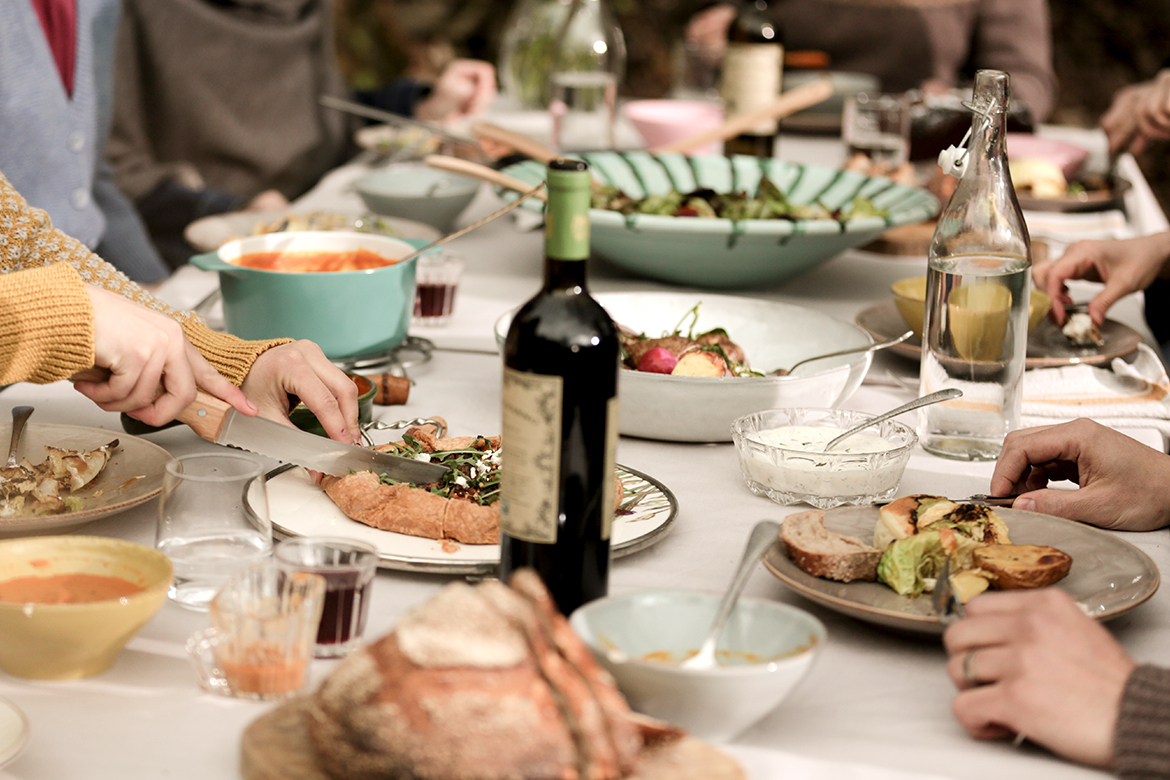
(316, 261)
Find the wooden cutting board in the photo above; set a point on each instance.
(276, 746)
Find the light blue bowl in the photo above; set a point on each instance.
(720, 253)
(417, 192)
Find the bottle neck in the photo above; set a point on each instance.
(989, 125)
(564, 275)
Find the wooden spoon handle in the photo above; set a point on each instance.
(789, 103)
(529, 147)
(491, 175)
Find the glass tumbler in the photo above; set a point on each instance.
(436, 279)
(348, 567)
(212, 521)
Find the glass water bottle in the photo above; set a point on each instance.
(977, 293)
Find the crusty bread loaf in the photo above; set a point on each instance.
(1010, 566)
(822, 553)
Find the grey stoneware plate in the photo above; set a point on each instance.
(1109, 576)
(133, 475)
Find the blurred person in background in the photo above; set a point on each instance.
(912, 45)
(64, 310)
(56, 98)
(216, 107)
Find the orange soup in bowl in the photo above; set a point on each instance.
(314, 261)
(72, 588)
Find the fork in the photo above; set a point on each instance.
(946, 603)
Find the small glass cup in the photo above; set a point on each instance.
(436, 279)
(212, 521)
(583, 107)
(263, 624)
(877, 126)
(348, 567)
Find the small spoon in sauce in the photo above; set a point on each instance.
(926, 400)
(867, 348)
(20, 415)
(763, 535)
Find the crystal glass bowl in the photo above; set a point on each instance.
(823, 479)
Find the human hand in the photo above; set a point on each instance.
(1121, 480)
(1040, 668)
(465, 88)
(269, 200)
(1139, 114)
(143, 351)
(708, 30)
(301, 369)
(1125, 266)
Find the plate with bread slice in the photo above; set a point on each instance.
(877, 563)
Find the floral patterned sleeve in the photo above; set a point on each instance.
(46, 320)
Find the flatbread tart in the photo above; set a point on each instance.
(462, 508)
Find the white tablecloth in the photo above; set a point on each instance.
(875, 705)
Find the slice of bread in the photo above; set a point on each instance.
(818, 551)
(1011, 566)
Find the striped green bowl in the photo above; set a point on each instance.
(721, 253)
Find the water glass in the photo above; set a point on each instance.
(347, 567)
(212, 521)
(263, 624)
(436, 279)
(583, 106)
(877, 126)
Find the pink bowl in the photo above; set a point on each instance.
(1068, 157)
(666, 121)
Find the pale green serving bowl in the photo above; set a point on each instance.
(720, 253)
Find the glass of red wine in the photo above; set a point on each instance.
(348, 567)
(436, 277)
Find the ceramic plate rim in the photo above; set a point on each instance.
(150, 454)
(912, 348)
(19, 739)
(488, 562)
(854, 604)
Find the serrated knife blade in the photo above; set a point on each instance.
(216, 421)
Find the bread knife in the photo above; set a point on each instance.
(217, 421)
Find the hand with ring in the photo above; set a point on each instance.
(1032, 663)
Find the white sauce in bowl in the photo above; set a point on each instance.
(808, 438)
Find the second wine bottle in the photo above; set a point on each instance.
(560, 410)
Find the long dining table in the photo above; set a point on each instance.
(876, 703)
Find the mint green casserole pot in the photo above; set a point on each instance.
(348, 314)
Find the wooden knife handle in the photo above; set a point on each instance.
(205, 415)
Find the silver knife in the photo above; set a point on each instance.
(216, 421)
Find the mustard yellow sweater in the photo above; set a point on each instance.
(46, 318)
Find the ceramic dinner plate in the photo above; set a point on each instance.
(300, 508)
(1109, 576)
(133, 475)
(209, 233)
(1047, 346)
(13, 731)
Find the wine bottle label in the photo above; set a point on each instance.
(531, 456)
(608, 487)
(751, 81)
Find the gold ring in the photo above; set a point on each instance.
(968, 671)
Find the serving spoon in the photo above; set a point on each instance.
(867, 348)
(20, 415)
(762, 537)
(926, 400)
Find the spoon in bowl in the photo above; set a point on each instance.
(926, 400)
(20, 415)
(867, 348)
(762, 537)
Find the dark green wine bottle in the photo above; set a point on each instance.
(560, 411)
(752, 72)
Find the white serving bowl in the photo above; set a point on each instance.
(418, 192)
(767, 646)
(773, 335)
(825, 480)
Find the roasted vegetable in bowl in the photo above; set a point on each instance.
(711, 353)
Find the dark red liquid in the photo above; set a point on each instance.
(433, 300)
(338, 621)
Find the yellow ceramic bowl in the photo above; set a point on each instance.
(910, 298)
(67, 641)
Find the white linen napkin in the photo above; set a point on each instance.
(1133, 395)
